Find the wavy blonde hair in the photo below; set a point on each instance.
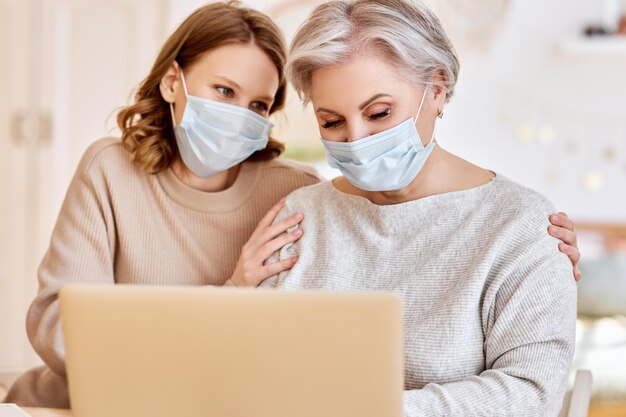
(146, 125)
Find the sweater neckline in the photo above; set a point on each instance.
(450, 197)
(212, 202)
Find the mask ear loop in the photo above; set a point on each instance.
(172, 114)
(182, 77)
(421, 105)
(432, 139)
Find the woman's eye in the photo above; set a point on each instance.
(380, 115)
(225, 91)
(332, 123)
(260, 107)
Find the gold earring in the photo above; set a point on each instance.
(440, 113)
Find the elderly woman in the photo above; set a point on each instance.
(489, 305)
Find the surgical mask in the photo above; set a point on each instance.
(214, 136)
(387, 161)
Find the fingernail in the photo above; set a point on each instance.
(298, 232)
(554, 229)
(299, 216)
(556, 218)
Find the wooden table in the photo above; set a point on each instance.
(47, 412)
(613, 410)
(618, 410)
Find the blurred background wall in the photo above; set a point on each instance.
(536, 102)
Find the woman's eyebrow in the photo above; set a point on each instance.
(374, 97)
(269, 99)
(361, 107)
(228, 81)
(322, 109)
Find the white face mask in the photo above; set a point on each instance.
(213, 137)
(387, 161)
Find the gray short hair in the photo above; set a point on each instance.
(406, 32)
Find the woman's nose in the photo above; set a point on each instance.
(242, 102)
(357, 131)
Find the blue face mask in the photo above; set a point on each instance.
(214, 136)
(386, 161)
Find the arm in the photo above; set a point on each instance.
(81, 252)
(529, 324)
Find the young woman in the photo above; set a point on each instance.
(489, 303)
(182, 198)
(176, 199)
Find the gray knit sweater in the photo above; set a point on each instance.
(489, 303)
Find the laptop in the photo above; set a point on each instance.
(135, 351)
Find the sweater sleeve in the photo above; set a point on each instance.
(529, 323)
(81, 251)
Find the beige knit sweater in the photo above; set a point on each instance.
(120, 225)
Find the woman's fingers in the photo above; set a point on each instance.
(566, 235)
(562, 220)
(256, 239)
(269, 218)
(577, 274)
(571, 251)
(563, 228)
(266, 239)
(574, 255)
(281, 227)
(274, 245)
(277, 268)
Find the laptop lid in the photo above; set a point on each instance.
(134, 351)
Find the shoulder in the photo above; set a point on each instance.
(514, 221)
(105, 152)
(318, 195)
(278, 178)
(528, 259)
(520, 204)
(524, 240)
(315, 201)
(282, 166)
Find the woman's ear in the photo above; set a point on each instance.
(169, 83)
(440, 92)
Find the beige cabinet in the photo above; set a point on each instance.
(67, 66)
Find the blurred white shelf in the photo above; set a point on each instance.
(609, 46)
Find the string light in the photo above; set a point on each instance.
(594, 181)
(546, 135)
(570, 128)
